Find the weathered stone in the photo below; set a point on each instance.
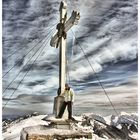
(41, 132)
(58, 101)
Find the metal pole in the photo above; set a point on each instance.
(62, 65)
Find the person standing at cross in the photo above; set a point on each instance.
(68, 102)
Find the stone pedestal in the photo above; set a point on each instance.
(58, 101)
(57, 123)
(61, 125)
(41, 132)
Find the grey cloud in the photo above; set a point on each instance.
(34, 98)
(40, 67)
(107, 31)
(31, 98)
(36, 83)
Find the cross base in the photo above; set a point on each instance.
(58, 101)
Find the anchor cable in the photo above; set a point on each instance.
(24, 66)
(23, 77)
(24, 56)
(24, 47)
(67, 73)
(95, 74)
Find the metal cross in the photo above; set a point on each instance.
(59, 40)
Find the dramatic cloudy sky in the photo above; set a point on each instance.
(107, 32)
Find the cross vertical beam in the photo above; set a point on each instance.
(62, 59)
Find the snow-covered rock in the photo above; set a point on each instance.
(12, 131)
(121, 127)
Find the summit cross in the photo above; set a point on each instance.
(59, 40)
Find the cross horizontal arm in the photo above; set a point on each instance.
(73, 20)
(54, 40)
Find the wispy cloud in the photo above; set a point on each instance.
(107, 31)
